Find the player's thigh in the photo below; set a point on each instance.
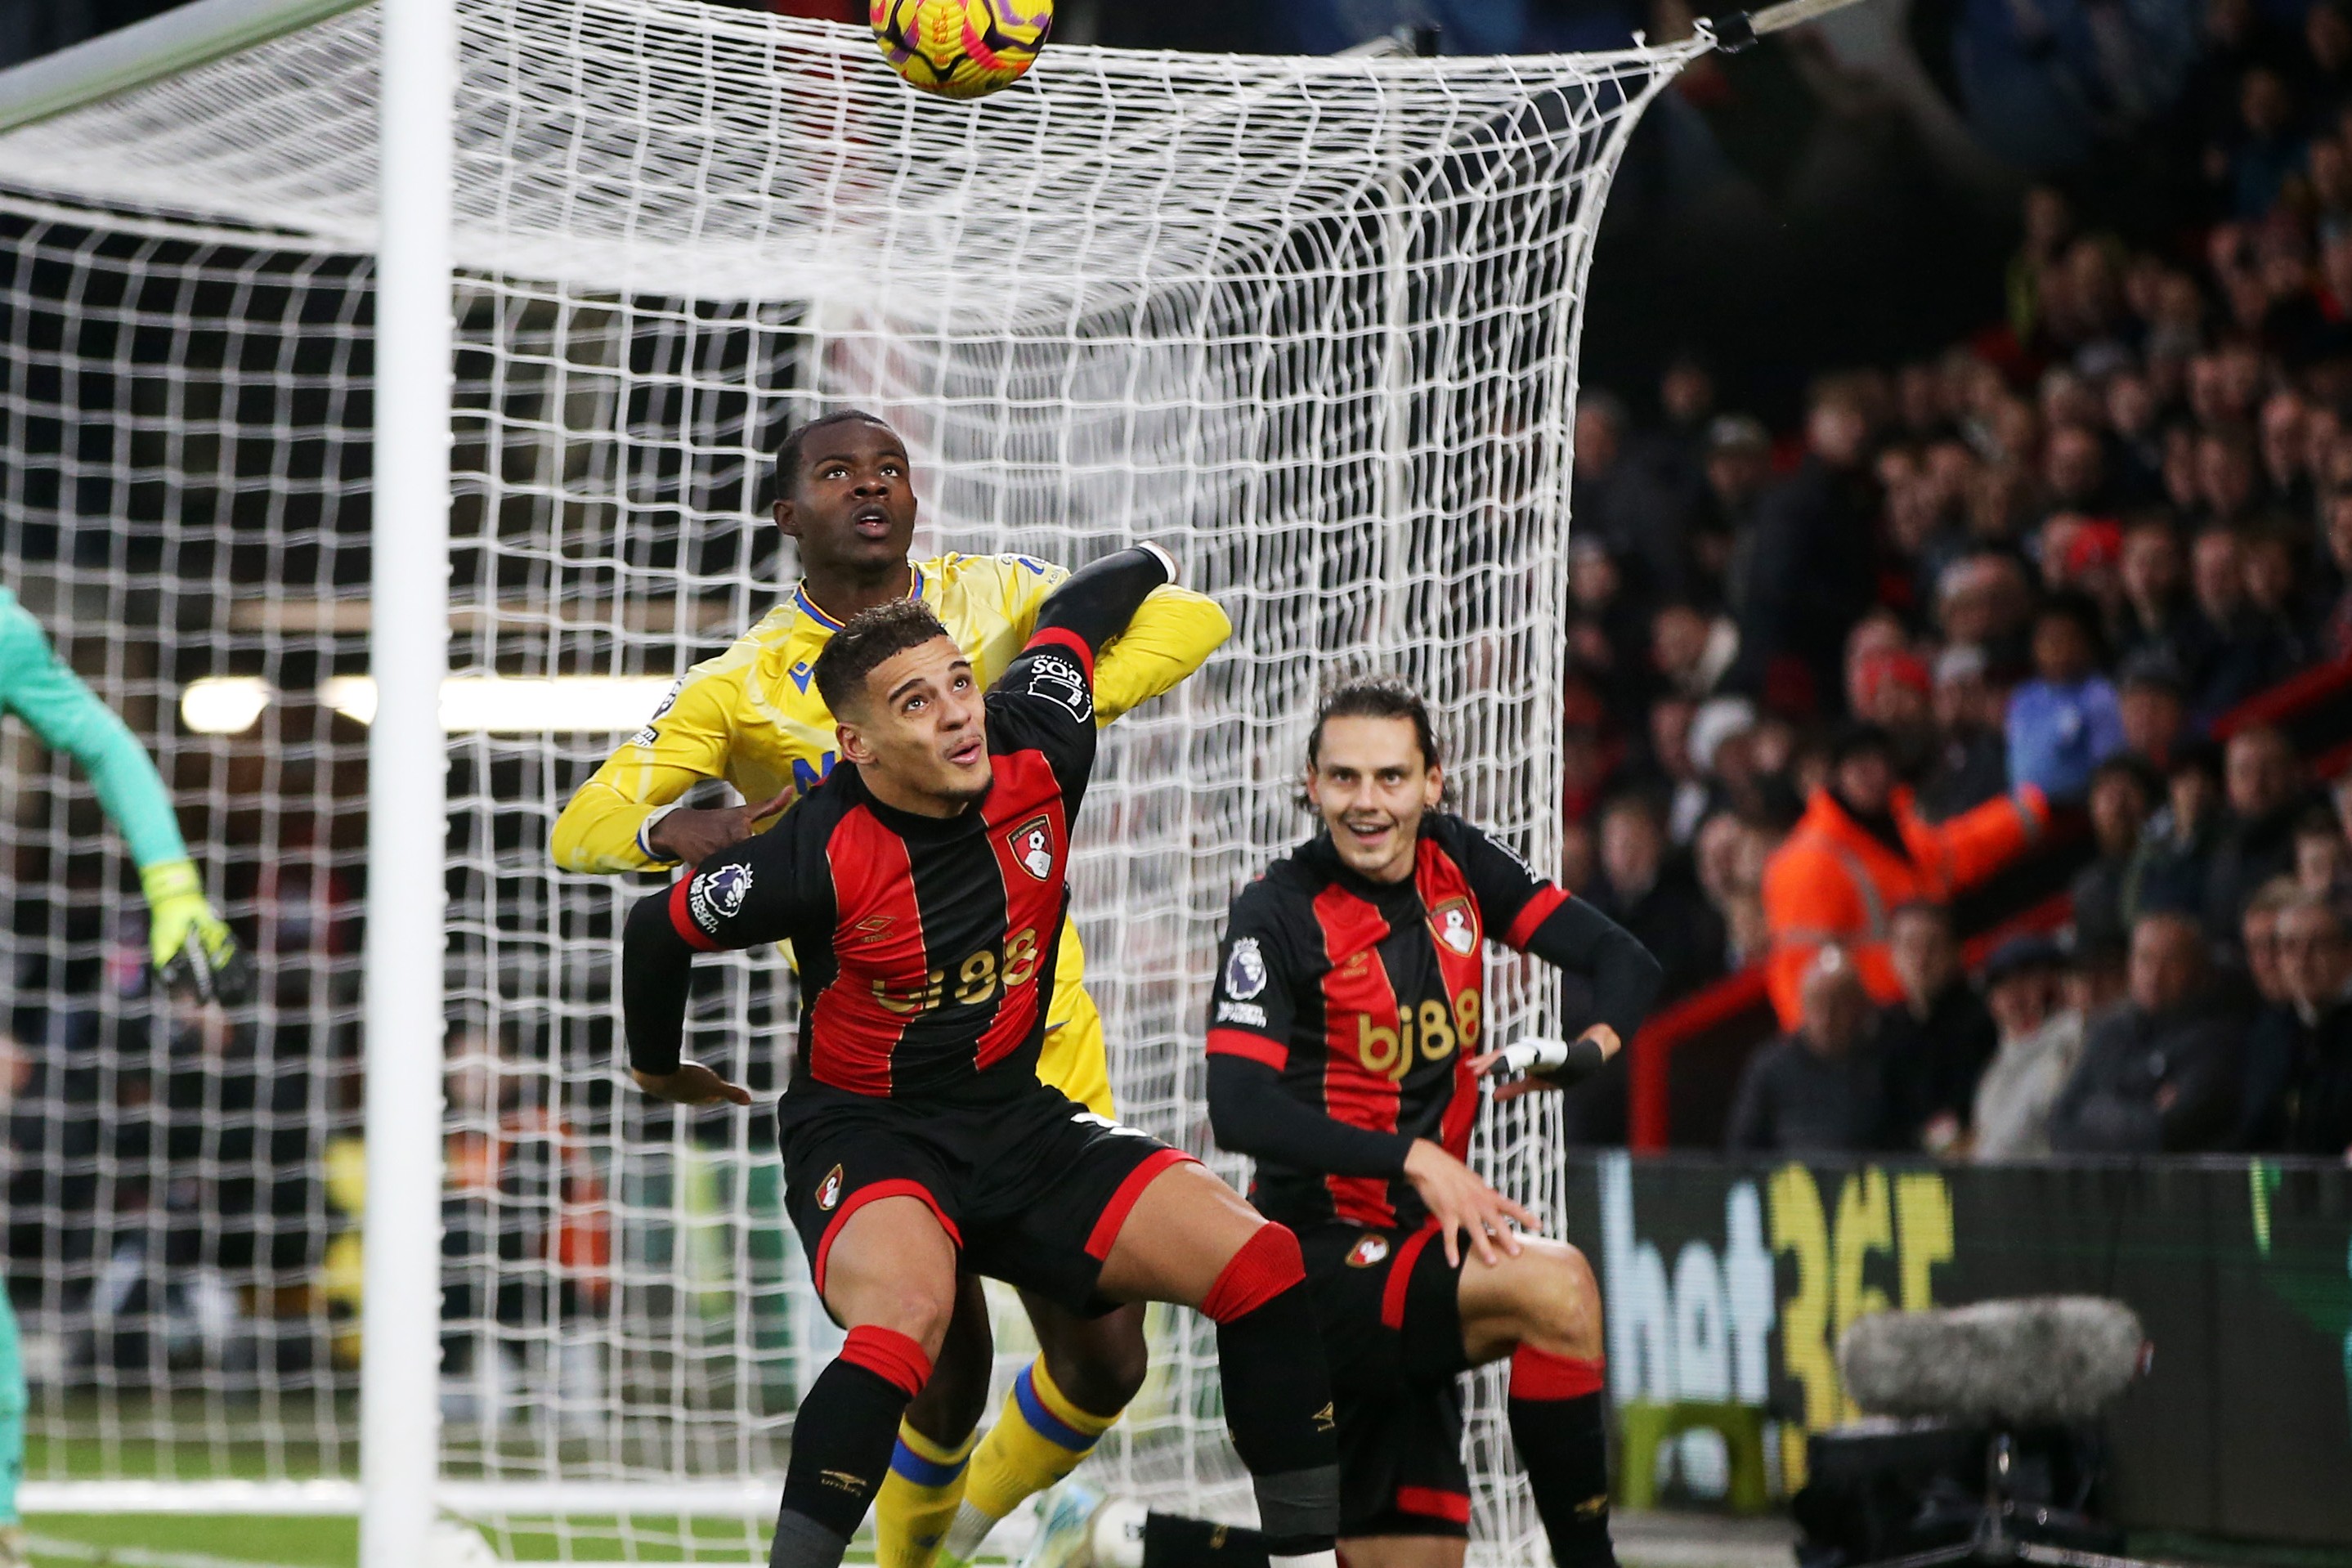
(893, 1265)
(1183, 1229)
(1403, 1551)
(1100, 1361)
(1544, 1297)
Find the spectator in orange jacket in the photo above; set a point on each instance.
(1861, 851)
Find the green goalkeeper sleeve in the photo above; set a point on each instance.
(36, 686)
(192, 948)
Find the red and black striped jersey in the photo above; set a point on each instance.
(925, 945)
(1368, 1000)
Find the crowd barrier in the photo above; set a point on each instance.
(1728, 1282)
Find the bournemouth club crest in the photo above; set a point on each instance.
(1033, 847)
(1456, 925)
(1367, 1252)
(828, 1192)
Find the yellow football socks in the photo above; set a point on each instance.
(918, 1500)
(1038, 1440)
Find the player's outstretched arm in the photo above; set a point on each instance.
(192, 945)
(1625, 975)
(742, 897)
(1173, 633)
(657, 977)
(1536, 916)
(1099, 601)
(1541, 917)
(625, 818)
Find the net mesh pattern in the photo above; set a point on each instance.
(1311, 323)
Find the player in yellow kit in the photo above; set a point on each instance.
(752, 716)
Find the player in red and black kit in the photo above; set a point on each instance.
(922, 886)
(1346, 1041)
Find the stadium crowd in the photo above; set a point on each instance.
(1821, 685)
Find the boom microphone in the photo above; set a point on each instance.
(2035, 1360)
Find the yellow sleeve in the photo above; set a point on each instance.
(1173, 634)
(685, 742)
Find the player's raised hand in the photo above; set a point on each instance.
(1459, 1200)
(690, 835)
(1584, 1058)
(692, 1084)
(193, 949)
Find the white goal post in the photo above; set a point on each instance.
(349, 345)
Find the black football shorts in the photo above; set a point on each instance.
(1392, 1323)
(1033, 1189)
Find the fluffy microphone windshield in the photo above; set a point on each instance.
(2036, 1361)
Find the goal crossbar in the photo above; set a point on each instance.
(162, 45)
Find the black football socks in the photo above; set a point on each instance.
(1279, 1396)
(841, 1441)
(1558, 1422)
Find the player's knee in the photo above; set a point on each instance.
(1562, 1312)
(917, 1309)
(1262, 1268)
(1102, 1375)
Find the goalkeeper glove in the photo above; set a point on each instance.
(193, 949)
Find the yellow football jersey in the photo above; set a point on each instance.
(753, 717)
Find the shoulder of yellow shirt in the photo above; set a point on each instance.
(782, 646)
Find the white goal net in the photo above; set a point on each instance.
(1310, 322)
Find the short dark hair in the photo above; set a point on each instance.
(2317, 822)
(1856, 737)
(1638, 803)
(2074, 605)
(788, 450)
(1374, 697)
(2195, 757)
(869, 639)
(2125, 765)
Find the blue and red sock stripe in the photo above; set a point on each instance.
(1043, 1421)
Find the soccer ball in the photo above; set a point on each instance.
(962, 48)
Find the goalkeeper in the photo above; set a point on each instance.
(192, 946)
(752, 716)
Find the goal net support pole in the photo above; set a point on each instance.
(408, 821)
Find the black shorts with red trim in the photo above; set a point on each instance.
(1032, 1190)
(1391, 1320)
